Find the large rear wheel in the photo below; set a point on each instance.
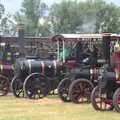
(116, 100)
(80, 91)
(100, 101)
(36, 86)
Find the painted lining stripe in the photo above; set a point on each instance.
(43, 67)
(29, 64)
(1, 68)
(55, 67)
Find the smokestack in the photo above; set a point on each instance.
(20, 28)
(106, 46)
(0, 39)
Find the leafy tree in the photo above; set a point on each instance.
(7, 24)
(66, 17)
(31, 10)
(108, 19)
(30, 15)
(2, 10)
(45, 30)
(90, 16)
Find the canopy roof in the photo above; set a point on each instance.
(83, 36)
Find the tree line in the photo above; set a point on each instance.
(91, 16)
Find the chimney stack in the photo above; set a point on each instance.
(21, 42)
(106, 46)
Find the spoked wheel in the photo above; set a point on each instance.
(116, 100)
(80, 91)
(17, 87)
(36, 86)
(4, 85)
(63, 90)
(100, 101)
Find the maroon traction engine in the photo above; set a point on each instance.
(6, 69)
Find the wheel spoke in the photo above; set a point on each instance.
(19, 92)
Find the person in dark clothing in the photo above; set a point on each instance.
(94, 56)
(86, 51)
(95, 51)
(83, 52)
(79, 52)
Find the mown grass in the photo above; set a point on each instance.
(50, 108)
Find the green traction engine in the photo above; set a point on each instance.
(106, 95)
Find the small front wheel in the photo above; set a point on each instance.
(17, 87)
(63, 90)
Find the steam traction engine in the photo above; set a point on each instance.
(106, 96)
(8, 54)
(6, 69)
(36, 78)
(14, 47)
(81, 79)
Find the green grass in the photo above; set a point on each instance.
(50, 108)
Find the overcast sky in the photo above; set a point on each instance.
(14, 5)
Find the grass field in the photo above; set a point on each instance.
(50, 108)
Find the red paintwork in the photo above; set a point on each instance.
(108, 101)
(115, 59)
(72, 64)
(7, 70)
